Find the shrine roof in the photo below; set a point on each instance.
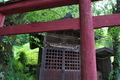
(104, 52)
(21, 6)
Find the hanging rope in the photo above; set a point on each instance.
(103, 57)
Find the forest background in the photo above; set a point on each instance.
(19, 62)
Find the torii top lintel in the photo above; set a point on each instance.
(33, 5)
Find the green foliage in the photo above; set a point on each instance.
(21, 39)
(115, 71)
(114, 31)
(22, 58)
(116, 59)
(16, 71)
(36, 41)
(51, 14)
(99, 32)
(27, 52)
(6, 40)
(104, 7)
(15, 39)
(111, 75)
(104, 39)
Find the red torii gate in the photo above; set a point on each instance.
(85, 24)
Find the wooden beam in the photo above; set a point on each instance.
(106, 21)
(87, 42)
(2, 18)
(40, 27)
(33, 5)
(66, 24)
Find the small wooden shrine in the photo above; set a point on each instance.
(61, 54)
(104, 62)
(61, 57)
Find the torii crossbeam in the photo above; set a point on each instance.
(86, 24)
(66, 24)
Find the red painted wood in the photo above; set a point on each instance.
(32, 5)
(2, 18)
(88, 59)
(106, 21)
(66, 24)
(40, 27)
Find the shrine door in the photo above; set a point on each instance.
(60, 64)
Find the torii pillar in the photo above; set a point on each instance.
(88, 58)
